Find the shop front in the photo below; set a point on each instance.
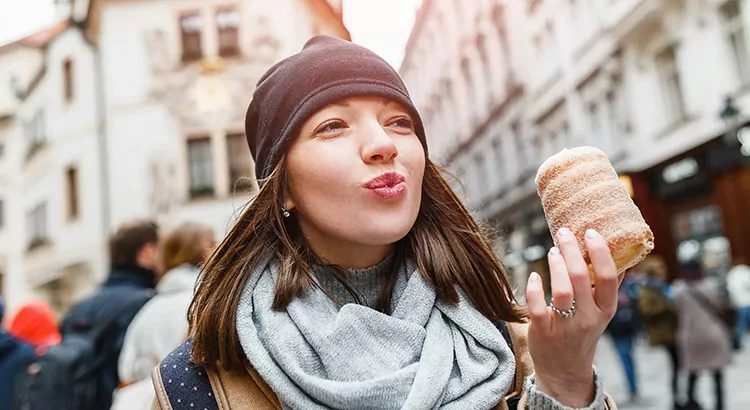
(698, 205)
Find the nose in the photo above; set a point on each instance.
(379, 147)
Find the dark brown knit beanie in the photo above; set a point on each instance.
(325, 71)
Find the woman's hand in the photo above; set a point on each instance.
(563, 348)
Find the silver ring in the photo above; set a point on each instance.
(564, 313)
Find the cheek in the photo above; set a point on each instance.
(316, 172)
(412, 156)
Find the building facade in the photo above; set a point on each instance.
(127, 110)
(505, 84)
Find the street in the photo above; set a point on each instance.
(652, 366)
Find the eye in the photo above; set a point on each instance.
(404, 123)
(331, 126)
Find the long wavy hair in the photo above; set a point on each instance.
(445, 243)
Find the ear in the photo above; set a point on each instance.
(288, 203)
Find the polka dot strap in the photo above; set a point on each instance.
(186, 385)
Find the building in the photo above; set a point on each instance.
(125, 110)
(505, 84)
(52, 241)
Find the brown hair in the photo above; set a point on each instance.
(445, 243)
(186, 244)
(129, 239)
(652, 264)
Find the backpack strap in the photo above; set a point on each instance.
(182, 385)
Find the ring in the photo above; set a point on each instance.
(564, 313)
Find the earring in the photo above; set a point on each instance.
(284, 212)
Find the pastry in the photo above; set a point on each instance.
(580, 189)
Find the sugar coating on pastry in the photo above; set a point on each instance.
(581, 190)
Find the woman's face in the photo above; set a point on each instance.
(355, 179)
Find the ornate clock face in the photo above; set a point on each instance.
(210, 94)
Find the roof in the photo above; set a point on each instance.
(39, 39)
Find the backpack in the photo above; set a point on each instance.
(66, 376)
(627, 319)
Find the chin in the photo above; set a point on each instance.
(385, 233)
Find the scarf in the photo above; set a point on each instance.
(316, 354)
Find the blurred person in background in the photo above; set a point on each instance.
(35, 324)
(625, 327)
(15, 357)
(162, 323)
(659, 315)
(704, 341)
(356, 278)
(738, 286)
(131, 281)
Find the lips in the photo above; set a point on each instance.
(389, 185)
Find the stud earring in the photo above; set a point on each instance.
(285, 213)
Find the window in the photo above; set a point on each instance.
(486, 66)
(466, 72)
(35, 132)
(732, 13)
(68, 80)
(496, 170)
(479, 178)
(36, 221)
(534, 5)
(498, 19)
(596, 123)
(240, 164)
(228, 22)
(71, 177)
(200, 167)
(191, 26)
(520, 153)
(669, 78)
(615, 118)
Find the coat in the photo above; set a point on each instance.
(123, 285)
(246, 390)
(703, 340)
(158, 328)
(738, 285)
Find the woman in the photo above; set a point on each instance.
(357, 279)
(703, 339)
(659, 316)
(35, 324)
(161, 324)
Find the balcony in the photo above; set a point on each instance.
(631, 19)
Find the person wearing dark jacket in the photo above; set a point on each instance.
(130, 285)
(15, 357)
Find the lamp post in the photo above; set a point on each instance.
(731, 116)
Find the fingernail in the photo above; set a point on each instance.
(591, 234)
(563, 232)
(554, 250)
(534, 277)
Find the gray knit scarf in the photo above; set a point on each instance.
(425, 355)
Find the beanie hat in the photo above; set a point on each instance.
(327, 70)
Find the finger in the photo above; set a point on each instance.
(578, 270)
(606, 272)
(535, 301)
(562, 290)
